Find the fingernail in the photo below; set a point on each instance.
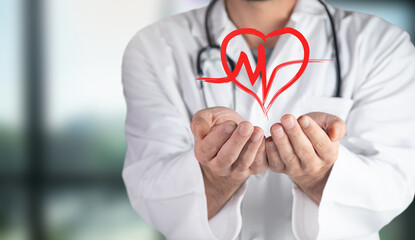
(288, 122)
(255, 136)
(230, 127)
(278, 132)
(244, 130)
(271, 144)
(305, 122)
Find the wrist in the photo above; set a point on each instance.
(218, 190)
(313, 185)
(222, 186)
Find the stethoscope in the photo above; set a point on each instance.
(212, 53)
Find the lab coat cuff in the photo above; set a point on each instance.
(305, 215)
(344, 211)
(227, 223)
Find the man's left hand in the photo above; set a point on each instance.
(306, 149)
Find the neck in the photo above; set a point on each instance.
(265, 16)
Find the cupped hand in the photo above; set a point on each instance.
(306, 149)
(229, 150)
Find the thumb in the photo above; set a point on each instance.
(336, 130)
(202, 128)
(201, 124)
(333, 125)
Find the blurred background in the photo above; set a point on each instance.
(62, 115)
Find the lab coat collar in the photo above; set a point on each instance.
(307, 8)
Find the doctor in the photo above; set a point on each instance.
(204, 162)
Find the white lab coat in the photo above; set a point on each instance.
(373, 179)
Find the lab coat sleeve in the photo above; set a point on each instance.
(373, 179)
(163, 179)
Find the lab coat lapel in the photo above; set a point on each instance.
(222, 94)
(244, 102)
(216, 94)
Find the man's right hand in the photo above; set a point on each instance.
(229, 150)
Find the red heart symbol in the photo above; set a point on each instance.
(261, 65)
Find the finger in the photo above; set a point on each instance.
(240, 168)
(231, 149)
(285, 150)
(210, 145)
(260, 164)
(318, 138)
(301, 144)
(275, 163)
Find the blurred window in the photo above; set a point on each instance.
(11, 88)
